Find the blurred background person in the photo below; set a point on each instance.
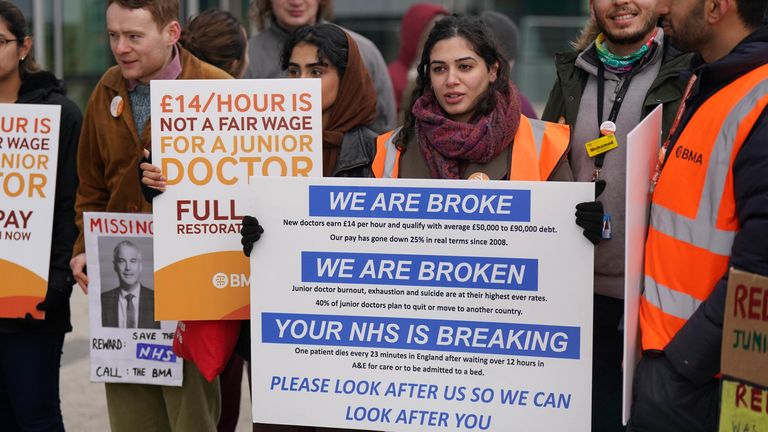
(30, 350)
(508, 38)
(276, 19)
(218, 38)
(417, 21)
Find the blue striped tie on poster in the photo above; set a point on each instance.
(421, 305)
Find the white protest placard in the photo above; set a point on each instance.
(210, 137)
(127, 344)
(643, 144)
(29, 149)
(421, 305)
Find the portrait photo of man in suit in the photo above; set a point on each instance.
(130, 305)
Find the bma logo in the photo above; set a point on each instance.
(688, 155)
(234, 280)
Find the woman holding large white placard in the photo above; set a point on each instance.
(30, 349)
(465, 120)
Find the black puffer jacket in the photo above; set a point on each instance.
(44, 88)
(695, 350)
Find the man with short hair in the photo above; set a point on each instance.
(709, 211)
(143, 36)
(620, 52)
(131, 304)
(276, 19)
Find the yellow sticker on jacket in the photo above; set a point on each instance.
(601, 145)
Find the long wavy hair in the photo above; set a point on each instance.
(483, 43)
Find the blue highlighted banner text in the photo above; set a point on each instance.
(422, 334)
(508, 205)
(421, 270)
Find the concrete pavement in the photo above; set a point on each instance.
(83, 404)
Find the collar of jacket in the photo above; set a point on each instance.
(573, 79)
(749, 54)
(114, 80)
(36, 86)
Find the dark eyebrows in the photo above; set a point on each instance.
(458, 60)
(310, 65)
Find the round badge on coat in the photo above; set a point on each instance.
(608, 128)
(116, 106)
(478, 176)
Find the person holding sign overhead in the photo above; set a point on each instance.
(465, 120)
(30, 350)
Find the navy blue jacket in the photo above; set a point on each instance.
(695, 350)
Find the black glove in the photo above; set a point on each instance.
(148, 192)
(251, 232)
(589, 215)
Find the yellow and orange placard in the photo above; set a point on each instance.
(744, 405)
(29, 144)
(210, 137)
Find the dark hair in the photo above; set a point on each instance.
(17, 24)
(753, 12)
(261, 12)
(216, 37)
(330, 40)
(483, 43)
(163, 11)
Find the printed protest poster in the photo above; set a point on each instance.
(744, 404)
(421, 305)
(29, 149)
(128, 344)
(643, 144)
(210, 138)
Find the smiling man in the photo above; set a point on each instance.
(143, 37)
(620, 51)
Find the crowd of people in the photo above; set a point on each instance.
(446, 108)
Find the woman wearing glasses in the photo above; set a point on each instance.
(30, 350)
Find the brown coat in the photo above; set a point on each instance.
(110, 149)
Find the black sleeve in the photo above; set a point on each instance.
(695, 350)
(64, 228)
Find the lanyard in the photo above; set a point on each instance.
(614, 114)
(664, 147)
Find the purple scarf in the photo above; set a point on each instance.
(449, 146)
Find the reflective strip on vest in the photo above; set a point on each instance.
(389, 162)
(538, 148)
(672, 302)
(688, 248)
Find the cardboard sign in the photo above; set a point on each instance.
(417, 305)
(745, 329)
(210, 138)
(29, 149)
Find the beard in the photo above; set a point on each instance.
(626, 38)
(691, 34)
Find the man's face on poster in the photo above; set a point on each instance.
(128, 265)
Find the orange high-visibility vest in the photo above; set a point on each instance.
(693, 218)
(537, 148)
